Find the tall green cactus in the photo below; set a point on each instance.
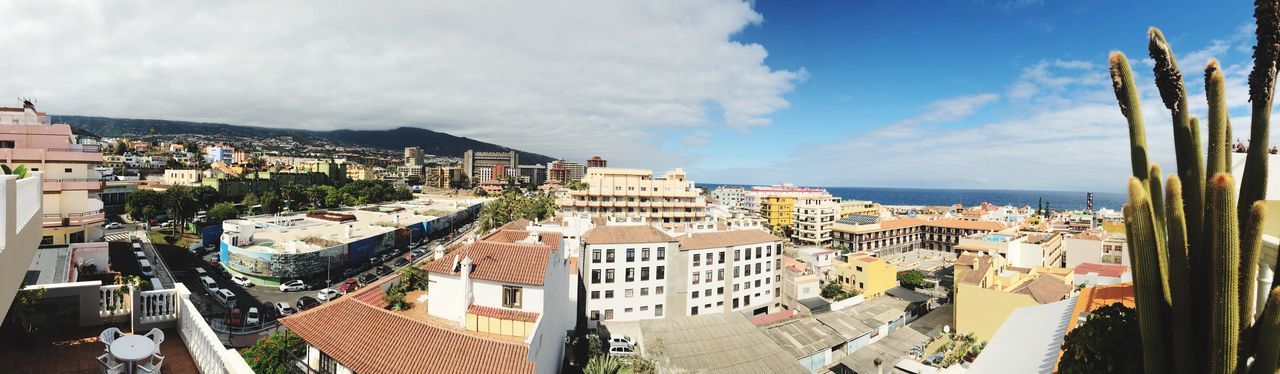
(1194, 247)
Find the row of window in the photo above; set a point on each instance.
(629, 274)
(644, 291)
(608, 313)
(607, 256)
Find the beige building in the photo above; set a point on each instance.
(636, 193)
(906, 234)
(988, 290)
(181, 177)
(72, 208)
(798, 283)
(813, 218)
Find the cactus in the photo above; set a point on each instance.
(1194, 246)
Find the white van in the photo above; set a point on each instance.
(156, 285)
(146, 268)
(200, 273)
(209, 284)
(137, 247)
(225, 297)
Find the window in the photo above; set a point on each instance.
(695, 277)
(595, 315)
(644, 308)
(662, 274)
(748, 253)
(707, 276)
(657, 310)
(706, 293)
(7, 144)
(644, 291)
(628, 293)
(721, 257)
(736, 271)
(719, 290)
(644, 254)
(631, 274)
(608, 294)
(609, 255)
(694, 294)
(758, 252)
(644, 273)
(631, 255)
(608, 314)
(737, 255)
(66, 170)
(595, 256)
(662, 254)
(608, 276)
(595, 295)
(511, 297)
(757, 268)
(735, 287)
(757, 283)
(735, 303)
(693, 311)
(657, 290)
(595, 276)
(719, 274)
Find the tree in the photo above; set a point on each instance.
(24, 305)
(512, 206)
(221, 212)
(143, 205)
(1108, 342)
(180, 203)
(205, 196)
(912, 279)
(832, 290)
(271, 202)
(604, 364)
(250, 199)
(413, 278)
(274, 353)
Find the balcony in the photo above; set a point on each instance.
(55, 185)
(73, 219)
(86, 153)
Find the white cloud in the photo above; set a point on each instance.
(566, 78)
(697, 138)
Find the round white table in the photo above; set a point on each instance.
(132, 348)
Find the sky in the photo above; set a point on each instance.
(994, 94)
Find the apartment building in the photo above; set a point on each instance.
(625, 272)
(219, 153)
(614, 192)
(864, 272)
(1096, 246)
(778, 203)
(988, 290)
(729, 197)
(597, 162)
(180, 177)
(734, 270)
(1021, 249)
(565, 170)
(412, 156)
(813, 219)
(799, 282)
(885, 237)
(21, 210)
(72, 208)
(777, 211)
(479, 166)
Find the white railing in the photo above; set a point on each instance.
(113, 301)
(206, 350)
(157, 306)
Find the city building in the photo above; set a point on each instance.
(799, 282)
(819, 259)
(813, 218)
(597, 162)
(865, 273)
(20, 210)
(444, 177)
(479, 166)
(1096, 246)
(219, 153)
(1090, 274)
(564, 171)
(533, 174)
(777, 211)
(777, 203)
(1021, 249)
(859, 207)
(625, 272)
(885, 237)
(72, 208)
(737, 270)
(729, 197)
(636, 193)
(988, 290)
(412, 155)
(181, 177)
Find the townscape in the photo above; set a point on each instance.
(155, 246)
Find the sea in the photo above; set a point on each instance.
(1056, 200)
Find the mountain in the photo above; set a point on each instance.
(431, 142)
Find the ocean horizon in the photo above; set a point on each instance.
(1057, 200)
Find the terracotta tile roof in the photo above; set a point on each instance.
(518, 224)
(1092, 298)
(721, 239)
(1045, 289)
(625, 234)
(966, 259)
(501, 313)
(771, 318)
(372, 294)
(499, 262)
(371, 340)
(549, 238)
(1104, 270)
(1099, 236)
(981, 266)
(966, 225)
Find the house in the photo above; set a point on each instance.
(988, 290)
(865, 273)
(1090, 274)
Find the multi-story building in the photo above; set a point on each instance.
(597, 162)
(863, 272)
(564, 171)
(813, 218)
(907, 234)
(1096, 246)
(777, 211)
(533, 174)
(1021, 249)
(988, 290)
(412, 156)
(735, 270)
(729, 197)
(219, 153)
(615, 192)
(625, 272)
(859, 207)
(478, 162)
(72, 208)
(799, 282)
(444, 176)
(753, 198)
(181, 177)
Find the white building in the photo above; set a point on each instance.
(814, 216)
(734, 270)
(1096, 246)
(729, 197)
(625, 272)
(21, 210)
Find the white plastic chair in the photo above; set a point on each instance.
(108, 365)
(109, 335)
(153, 365)
(156, 335)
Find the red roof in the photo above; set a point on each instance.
(499, 262)
(771, 318)
(1114, 271)
(371, 340)
(502, 313)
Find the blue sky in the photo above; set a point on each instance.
(870, 64)
(926, 94)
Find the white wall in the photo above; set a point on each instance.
(620, 302)
(1025, 255)
(489, 293)
(1080, 251)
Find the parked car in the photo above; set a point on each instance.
(308, 302)
(145, 266)
(621, 350)
(419, 253)
(241, 280)
(316, 284)
(269, 312)
(386, 257)
(348, 285)
(112, 226)
(368, 278)
(350, 272)
(374, 261)
(137, 246)
(621, 340)
(293, 285)
(253, 317)
(223, 271)
(137, 253)
(384, 270)
(327, 294)
(209, 285)
(401, 261)
(225, 297)
(284, 309)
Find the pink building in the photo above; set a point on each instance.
(72, 208)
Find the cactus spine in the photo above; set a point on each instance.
(1194, 247)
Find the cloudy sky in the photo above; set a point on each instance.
(958, 94)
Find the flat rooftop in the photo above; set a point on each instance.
(49, 265)
(286, 233)
(714, 343)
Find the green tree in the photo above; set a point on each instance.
(912, 279)
(181, 205)
(1108, 342)
(250, 199)
(832, 290)
(271, 202)
(24, 305)
(274, 353)
(205, 196)
(605, 364)
(143, 205)
(221, 212)
(514, 205)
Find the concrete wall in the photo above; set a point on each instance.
(981, 311)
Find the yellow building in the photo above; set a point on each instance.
(778, 211)
(988, 290)
(863, 272)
